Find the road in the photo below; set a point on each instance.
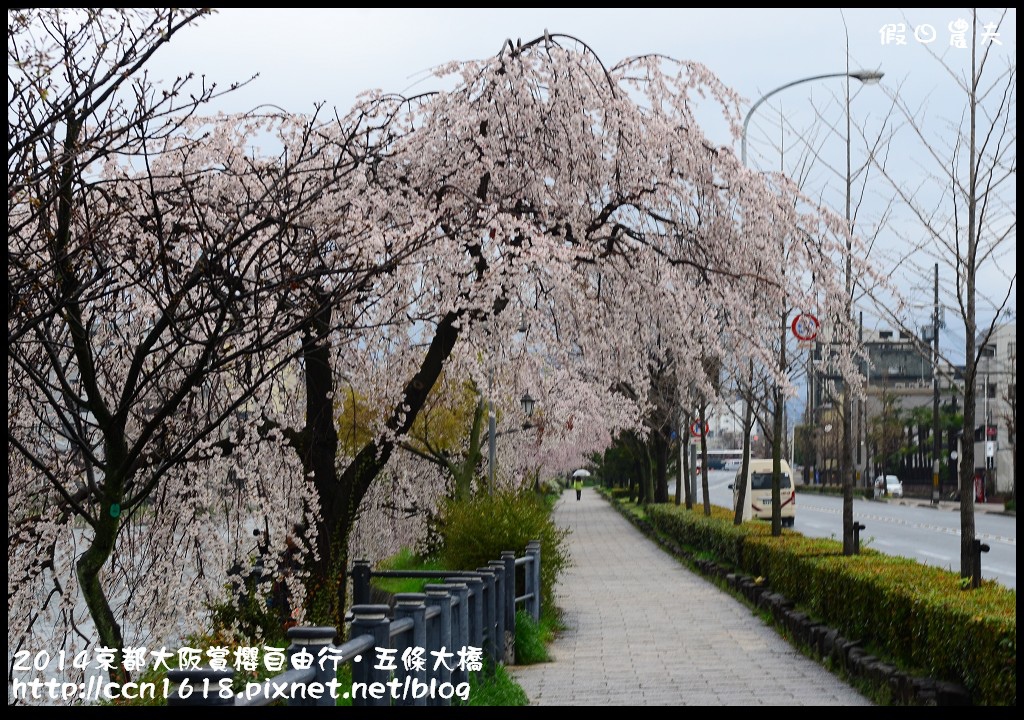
(924, 533)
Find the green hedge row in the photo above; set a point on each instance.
(919, 617)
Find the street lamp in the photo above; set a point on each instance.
(528, 405)
(868, 77)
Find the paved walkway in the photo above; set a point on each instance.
(644, 630)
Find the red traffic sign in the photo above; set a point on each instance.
(696, 430)
(805, 326)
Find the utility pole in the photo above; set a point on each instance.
(936, 431)
(862, 432)
(846, 460)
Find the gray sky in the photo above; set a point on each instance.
(304, 56)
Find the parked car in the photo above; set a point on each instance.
(889, 485)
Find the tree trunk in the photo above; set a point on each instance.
(777, 433)
(661, 451)
(777, 463)
(464, 472)
(325, 591)
(967, 529)
(88, 570)
(748, 424)
(687, 470)
(341, 496)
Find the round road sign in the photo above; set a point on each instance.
(805, 326)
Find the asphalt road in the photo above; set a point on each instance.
(909, 528)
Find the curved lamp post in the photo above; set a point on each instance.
(868, 77)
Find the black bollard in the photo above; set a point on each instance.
(977, 548)
(857, 527)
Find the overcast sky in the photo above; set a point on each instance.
(306, 56)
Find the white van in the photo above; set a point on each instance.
(759, 491)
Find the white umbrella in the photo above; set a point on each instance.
(581, 473)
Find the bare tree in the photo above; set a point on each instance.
(97, 436)
(967, 212)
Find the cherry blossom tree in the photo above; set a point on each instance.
(84, 414)
(560, 193)
(156, 275)
(186, 311)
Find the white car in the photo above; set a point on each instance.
(889, 485)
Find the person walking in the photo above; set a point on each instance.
(577, 483)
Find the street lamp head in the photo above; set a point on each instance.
(868, 77)
(527, 404)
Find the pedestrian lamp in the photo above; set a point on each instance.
(528, 405)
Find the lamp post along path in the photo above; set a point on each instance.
(528, 404)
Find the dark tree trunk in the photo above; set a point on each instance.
(661, 450)
(341, 495)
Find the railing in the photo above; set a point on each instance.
(433, 641)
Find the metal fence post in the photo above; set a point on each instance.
(498, 568)
(413, 605)
(314, 641)
(857, 527)
(369, 620)
(533, 572)
(476, 610)
(460, 624)
(489, 620)
(509, 558)
(977, 548)
(439, 637)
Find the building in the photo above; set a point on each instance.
(995, 411)
(900, 377)
(892, 428)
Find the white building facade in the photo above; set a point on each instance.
(995, 409)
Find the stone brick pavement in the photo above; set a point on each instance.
(644, 630)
